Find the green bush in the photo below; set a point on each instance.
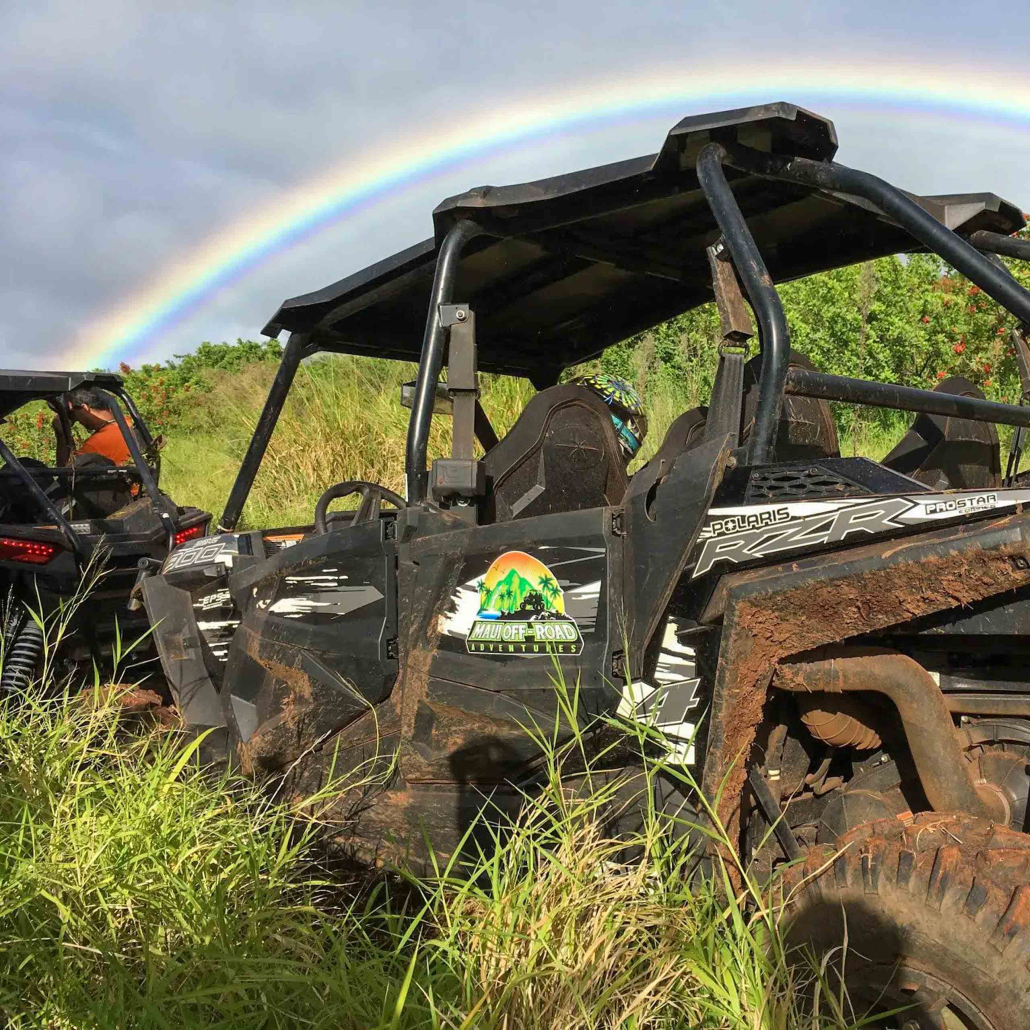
(166, 394)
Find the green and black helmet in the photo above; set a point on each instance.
(626, 406)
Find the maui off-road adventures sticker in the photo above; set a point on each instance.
(522, 610)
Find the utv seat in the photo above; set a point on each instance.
(561, 455)
(806, 430)
(17, 505)
(685, 433)
(949, 453)
(91, 500)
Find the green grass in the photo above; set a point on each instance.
(343, 420)
(139, 890)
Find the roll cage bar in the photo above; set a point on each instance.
(975, 256)
(775, 336)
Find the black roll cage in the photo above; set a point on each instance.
(975, 256)
(775, 380)
(828, 175)
(115, 395)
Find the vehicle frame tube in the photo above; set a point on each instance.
(1007, 246)
(40, 497)
(805, 383)
(774, 334)
(297, 347)
(431, 361)
(937, 237)
(146, 475)
(138, 422)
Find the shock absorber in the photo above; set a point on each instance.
(24, 645)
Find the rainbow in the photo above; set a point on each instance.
(137, 324)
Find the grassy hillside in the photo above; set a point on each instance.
(344, 420)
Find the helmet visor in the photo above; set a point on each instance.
(630, 432)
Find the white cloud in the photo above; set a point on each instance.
(134, 131)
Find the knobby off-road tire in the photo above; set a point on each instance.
(937, 912)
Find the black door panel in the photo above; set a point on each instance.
(317, 645)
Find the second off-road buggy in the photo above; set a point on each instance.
(89, 525)
(855, 632)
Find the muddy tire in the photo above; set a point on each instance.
(937, 912)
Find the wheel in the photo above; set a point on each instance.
(372, 495)
(936, 912)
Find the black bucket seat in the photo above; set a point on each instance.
(561, 455)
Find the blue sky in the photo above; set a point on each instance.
(134, 132)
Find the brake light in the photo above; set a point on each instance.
(190, 534)
(31, 552)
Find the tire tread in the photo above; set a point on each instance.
(948, 866)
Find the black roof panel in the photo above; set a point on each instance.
(19, 386)
(577, 262)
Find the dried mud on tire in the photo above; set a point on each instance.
(937, 917)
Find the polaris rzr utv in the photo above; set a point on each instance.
(836, 646)
(60, 526)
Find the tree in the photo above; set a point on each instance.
(548, 588)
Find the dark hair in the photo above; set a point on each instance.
(92, 396)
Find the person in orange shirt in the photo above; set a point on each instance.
(87, 406)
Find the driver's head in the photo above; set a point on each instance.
(626, 407)
(88, 406)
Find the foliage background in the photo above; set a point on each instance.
(908, 320)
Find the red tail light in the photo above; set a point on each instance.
(190, 534)
(31, 552)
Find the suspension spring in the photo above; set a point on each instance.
(24, 646)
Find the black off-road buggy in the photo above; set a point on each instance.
(90, 520)
(853, 631)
